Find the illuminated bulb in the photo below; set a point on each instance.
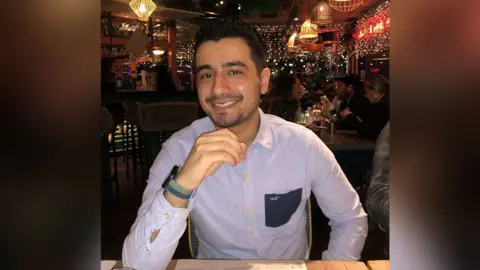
(221, 2)
(158, 52)
(142, 8)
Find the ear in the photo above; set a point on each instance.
(264, 80)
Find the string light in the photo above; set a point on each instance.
(372, 34)
(279, 59)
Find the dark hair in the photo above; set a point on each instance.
(283, 86)
(165, 84)
(229, 28)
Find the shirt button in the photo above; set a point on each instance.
(254, 234)
(166, 215)
(245, 177)
(249, 209)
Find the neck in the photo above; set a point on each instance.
(247, 131)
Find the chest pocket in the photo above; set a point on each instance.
(279, 208)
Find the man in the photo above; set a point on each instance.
(245, 176)
(350, 97)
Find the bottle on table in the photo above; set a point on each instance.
(317, 115)
(332, 127)
(300, 116)
(309, 116)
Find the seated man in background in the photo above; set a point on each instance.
(349, 94)
(376, 114)
(243, 176)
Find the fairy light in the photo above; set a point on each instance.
(372, 34)
(279, 59)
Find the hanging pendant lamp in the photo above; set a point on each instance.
(143, 8)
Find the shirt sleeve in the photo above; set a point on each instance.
(141, 249)
(339, 202)
(377, 203)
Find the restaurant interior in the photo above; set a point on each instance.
(149, 93)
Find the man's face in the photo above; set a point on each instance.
(340, 88)
(228, 83)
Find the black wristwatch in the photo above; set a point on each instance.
(175, 189)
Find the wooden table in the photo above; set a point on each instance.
(345, 140)
(311, 265)
(378, 265)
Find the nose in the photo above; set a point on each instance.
(220, 84)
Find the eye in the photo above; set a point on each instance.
(205, 76)
(234, 72)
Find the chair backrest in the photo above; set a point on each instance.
(194, 243)
(130, 108)
(107, 124)
(166, 116)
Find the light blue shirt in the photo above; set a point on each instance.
(255, 210)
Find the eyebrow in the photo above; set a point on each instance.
(226, 64)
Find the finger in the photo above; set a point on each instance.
(215, 166)
(244, 151)
(235, 151)
(220, 157)
(232, 142)
(224, 131)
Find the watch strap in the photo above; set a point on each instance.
(174, 188)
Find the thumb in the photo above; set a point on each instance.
(244, 150)
(244, 147)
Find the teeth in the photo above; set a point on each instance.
(226, 104)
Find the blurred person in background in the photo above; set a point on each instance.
(165, 84)
(310, 97)
(283, 99)
(377, 203)
(376, 114)
(329, 91)
(349, 94)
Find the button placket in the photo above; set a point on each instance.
(248, 193)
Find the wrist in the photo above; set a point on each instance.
(181, 191)
(183, 181)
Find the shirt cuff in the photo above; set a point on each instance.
(172, 213)
(164, 213)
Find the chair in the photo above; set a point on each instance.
(130, 110)
(194, 243)
(158, 121)
(107, 128)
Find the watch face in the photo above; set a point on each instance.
(170, 176)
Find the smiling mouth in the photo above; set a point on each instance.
(224, 104)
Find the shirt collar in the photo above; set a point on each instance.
(264, 136)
